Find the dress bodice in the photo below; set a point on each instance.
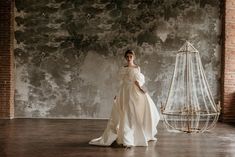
(131, 74)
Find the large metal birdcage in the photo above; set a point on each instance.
(190, 106)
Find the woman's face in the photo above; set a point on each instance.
(129, 58)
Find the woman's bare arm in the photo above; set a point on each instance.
(138, 85)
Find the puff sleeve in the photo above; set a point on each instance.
(138, 76)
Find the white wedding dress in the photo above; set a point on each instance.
(134, 116)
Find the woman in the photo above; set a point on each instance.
(134, 116)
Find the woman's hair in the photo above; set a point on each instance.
(129, 52)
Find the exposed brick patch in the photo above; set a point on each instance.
(228, 72)
(6, 59)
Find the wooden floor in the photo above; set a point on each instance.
(69, 138)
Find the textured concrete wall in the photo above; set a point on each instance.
(67, 52)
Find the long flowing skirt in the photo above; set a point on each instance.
(133, 120)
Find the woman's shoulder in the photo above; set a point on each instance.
(135, 68)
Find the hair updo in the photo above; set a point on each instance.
(129, 52)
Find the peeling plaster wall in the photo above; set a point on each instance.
(67, 52)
